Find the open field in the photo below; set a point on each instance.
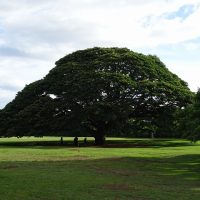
(135, 169)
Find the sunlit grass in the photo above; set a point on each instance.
(39, 168)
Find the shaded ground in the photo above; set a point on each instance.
(110, 142)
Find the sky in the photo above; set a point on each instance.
(36, 33)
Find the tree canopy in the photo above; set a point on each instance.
(97, 91)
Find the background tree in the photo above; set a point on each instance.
(97, 91)
(189, 120)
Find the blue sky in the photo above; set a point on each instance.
(183, 12)
(36, 33)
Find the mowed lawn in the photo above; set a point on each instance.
(135, 169)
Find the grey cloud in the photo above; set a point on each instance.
(3, 102)
(45, 29)
(56, 32)
(11, 51)
(5, 97)
(51, 23)
(9, 87)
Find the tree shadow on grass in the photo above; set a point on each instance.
(33, 143)
(110, 143)
(147, 143)
(110, 178)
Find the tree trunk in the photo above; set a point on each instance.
(99, 139)
(61, 140)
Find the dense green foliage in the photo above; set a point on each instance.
(189, 120)
(133, 170)
(98, 91)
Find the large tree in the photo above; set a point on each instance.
(96, 91)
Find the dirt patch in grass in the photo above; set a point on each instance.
(121, 187)
(75, 149)
(78, 157)
(114, 159)
(119, 172)
(125, 145)
(10, 167)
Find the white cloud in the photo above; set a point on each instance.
(34, 34)
(188, 71)
(5, 96)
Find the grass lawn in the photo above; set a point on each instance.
(135, 169)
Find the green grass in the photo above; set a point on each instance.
(135, 169)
